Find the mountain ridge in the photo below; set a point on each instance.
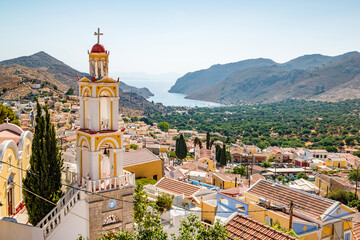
(305, 77)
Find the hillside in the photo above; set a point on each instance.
(51, 69)
(312, 77)
(59, 70)
(191, 82)
(42, 74)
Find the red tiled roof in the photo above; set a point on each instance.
(241, 227)
(177, 187)
(304, 203)
(257, 177)
(137, 157)
(233, 191)
(205, 153)
(191, 166)
(9, 135)
(356, 229)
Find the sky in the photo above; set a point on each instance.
(157, 37)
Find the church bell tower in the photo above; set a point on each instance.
(99, 148)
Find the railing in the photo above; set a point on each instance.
(123, 181)
(63, 207)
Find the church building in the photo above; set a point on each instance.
(15, 151)
(102, 197)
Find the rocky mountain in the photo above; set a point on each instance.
(144, 92)
(29, 76)
(41, 60)
(313, 77)
(62, 74)
(192, 82)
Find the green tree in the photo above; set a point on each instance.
(145, 181)
(134, 146)
(352, 175)
(134, 119)
(266, 164)
(342, 196)
(356, 153)
(302, 175)
(181, 148)
(192, 229)
(218, 153)
(207, 140)
(223, 160)
(164, 126)
(240, 170)
(148, 222)
(70, 91)
(164, 201)
(197, 142)
(44, 178)
(7, 112)
(331, 149)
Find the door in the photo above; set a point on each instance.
(10, 201)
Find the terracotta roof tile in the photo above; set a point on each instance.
(137, 157)
(241, 227)
(356, 230)
(177, 187)
(279, 194)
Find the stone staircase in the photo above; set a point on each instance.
(62, 208)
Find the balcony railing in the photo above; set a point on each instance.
(104, 184)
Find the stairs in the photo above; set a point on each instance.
(62, 208)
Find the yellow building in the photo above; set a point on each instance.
(143, 163)
(15, 151)
(211, 165)
(314, 217)
(222, 181)
(336, 162)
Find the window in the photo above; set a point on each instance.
(155, 177)
(347, 235)
(339, 165)
(224, 201)
(240, 207)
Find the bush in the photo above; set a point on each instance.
(164, 201)
(145, 181)
(302, 175)
(134, 146)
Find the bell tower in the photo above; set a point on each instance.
(98, 59)
(99, 149)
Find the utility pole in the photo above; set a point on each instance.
(291, 215)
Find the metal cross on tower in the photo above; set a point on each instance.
(98, 35)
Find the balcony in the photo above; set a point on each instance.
(123, 181)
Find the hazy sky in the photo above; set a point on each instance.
(178, 36)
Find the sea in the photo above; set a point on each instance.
(161, 95)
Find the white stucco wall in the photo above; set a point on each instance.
(72, 226)
(18, 231)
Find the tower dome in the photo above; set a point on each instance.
(98, 48)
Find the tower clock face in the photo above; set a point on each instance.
(112, 204)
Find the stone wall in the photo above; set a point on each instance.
(107, 213)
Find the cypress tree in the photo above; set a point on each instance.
(218, 153)
(45, 168)
(223, 155)
(181, 148)
(207, 140)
